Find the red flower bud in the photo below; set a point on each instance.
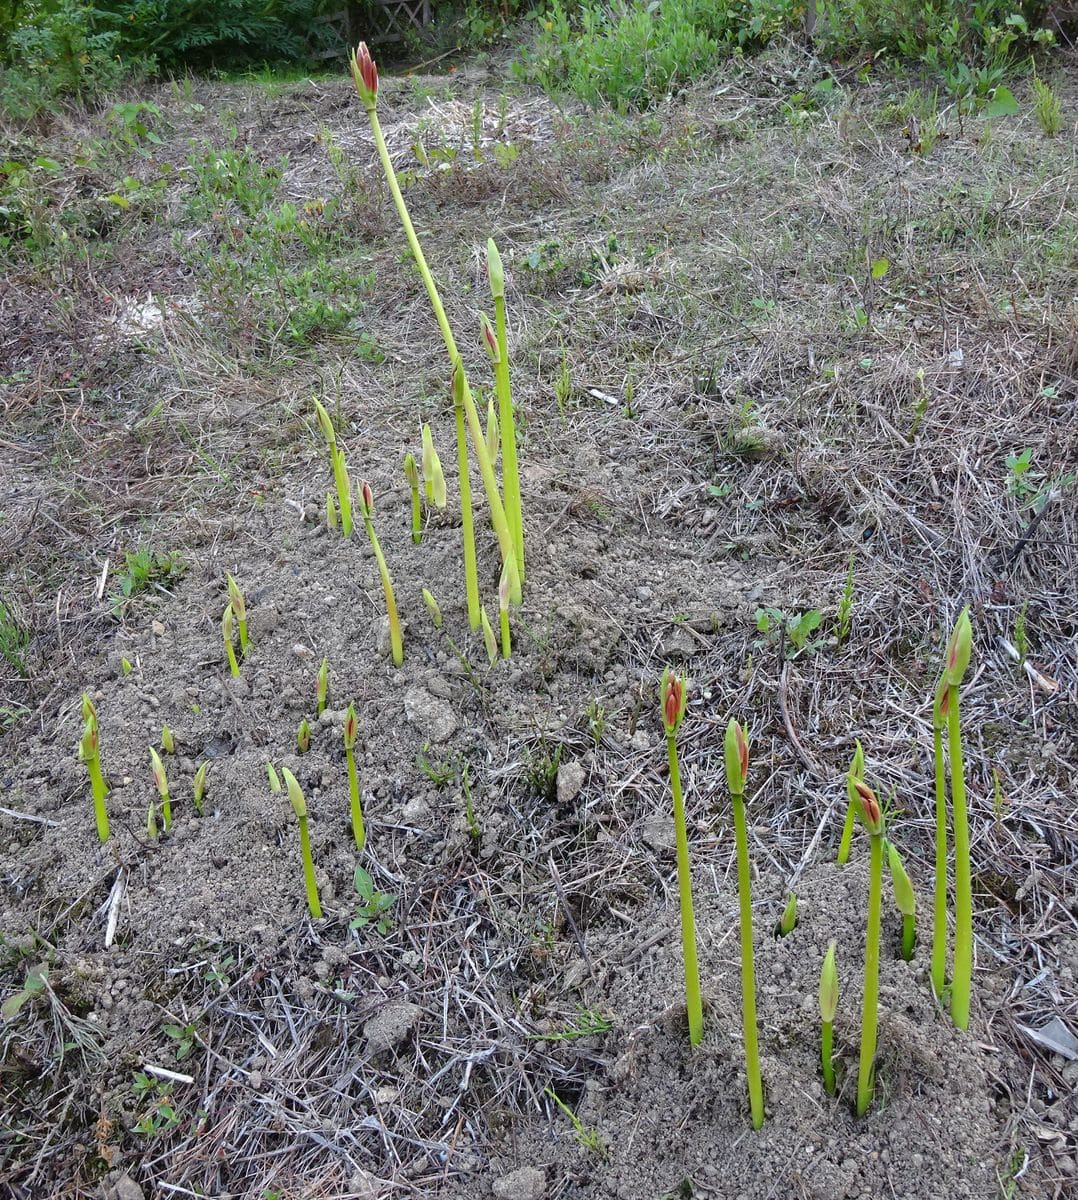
(366, 498)
(365, 75)
(673, 700)
(870, 807)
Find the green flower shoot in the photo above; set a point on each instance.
(856, 771)
(828, 1008)
(351, 729)
(411, 474)
(239, 610)
(872, 818)
(89, 752)
(959, 650)
(905, 899)
(198, 786)
(340, 472)
(227, 629)
(160, 780)
(366, 508)
(299, 807)
(500, 358)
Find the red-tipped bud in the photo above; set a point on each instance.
(870, 807)
(365, 75)
(366, 499)
(673, 700)
(959, 649)
(351, 727)
(737, 758)
(490, 339)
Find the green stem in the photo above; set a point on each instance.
(233, 666)
(510, 471)
(344, 498)
(358, 829)
(847, 837)
(909, 935)
(417, 517)
(963, 886)
(471, 574)
(693, 1003)
(939, 913)
(490, 483)
(241, 625)
(308, 870)
(507, 646)
(748, 974)
(166, 811)
(869, 1011)
(395, 640)
(100, 790)
(827, 1054)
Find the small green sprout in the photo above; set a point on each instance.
(845, 607)
(789, 917)
(433, 475)
(227, 628)
(239, 610)
(904, 899)
(160, 780)
(737, 769)
(673, 698)
(411, 474)
(299, 807)
(35, 981)
(89, 752)
(125, 666)
(366, 508)
(588, 1138)
(489, 640)
(872, 818)
(959, 651)
(303, 737)
(375, 907)
(340, 472)
(151, 822)
(168, 742)
(322, 693)
(331, 513)
(271, 775)
(433, 608)
(198, 786)
(351, 729)
(503, 607)
(828, 1008)
(856, 771)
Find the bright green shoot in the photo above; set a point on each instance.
(340, 471)
(168, 742)
(857, 770)
(588, 1138)
(872, 818)
(489, 640)
(366, 508)
(160, 780)
(271, 775)
(433, 608)
(299, 807)
(504, 587)
(303, 737)
(89, 752)
(788, 920)
(905, 899)
(351, 729)
(239, 610)
(365, 75)
(411, 474)
(674, 698)
(471, 574)
(510, 469)
(433, 475)
(198, 786)
(828, 1008)
(939, 896)
(737, 767)
(151, 821)
(228, 625)
(959, 650)
(322, 693)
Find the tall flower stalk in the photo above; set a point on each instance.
(351, 729)
(674, 699)
(828, 1008)
(959, 650)
(366, 508)
(737, 767)
(510, 469)
(872, 818)
(939, 897)
(365, 76)
(856, 771)
(89, 752)
(340, 471)
(299, 807)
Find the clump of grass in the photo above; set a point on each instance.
(737, 767)
(299, 807)
(89, 752)
(674, 697)
(856, 771)
(905, 899)
(828, 1008)
(351, 730)
(160, 780)
(366, 508)
(198, 786)
(239, 610)
(340, 471)
(1047, 107)
(322, 689)
(872, 818)
(227, 631)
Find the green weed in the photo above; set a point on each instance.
(144, 569)
(375, 907)
(795, 629)
(845, 607)
(1047, 108)
(588, 1138)
(14, 640)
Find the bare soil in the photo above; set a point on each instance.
(717, 415)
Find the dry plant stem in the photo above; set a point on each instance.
(748, 973)
(359, 831)
(510, 470)
(869, 1011)
(939, 914)
(693, 1003)
(471, 573)
(490, 483)
(963, 887)
(827, 1036)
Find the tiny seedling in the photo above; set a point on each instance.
(227, 628)
(845, 607)
(160, 1114)
(160, 780)
(588, 1138)
(737, 768)
(366, 508)
(904, 899)
(35, 982)
(198, 786)
(299, 807)
(674, 698)
(303, 737)
(828, 1008)
(470, 819)
(872, 818)
(184, 1037)
(340, 471)
(351, 730)
(788, 920)
(795, 629)
(271, 775)
(89, 752)
(239, 611)
(411, 474)
(375, 907)
(1021, 633)
(322, 688)
(587, 1023)
(595, 715)
(168, 742)
(433, 608)
(144, 569)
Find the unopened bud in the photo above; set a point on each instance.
(490, 339)
(433, 608)
(736, 749)
(673, 700)
(351, 727)
(959, 649)
(365, 75)
(495, 272)
(295, 794)
(904, 894)
(870, 807)
(829, 987)
(411, 471)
